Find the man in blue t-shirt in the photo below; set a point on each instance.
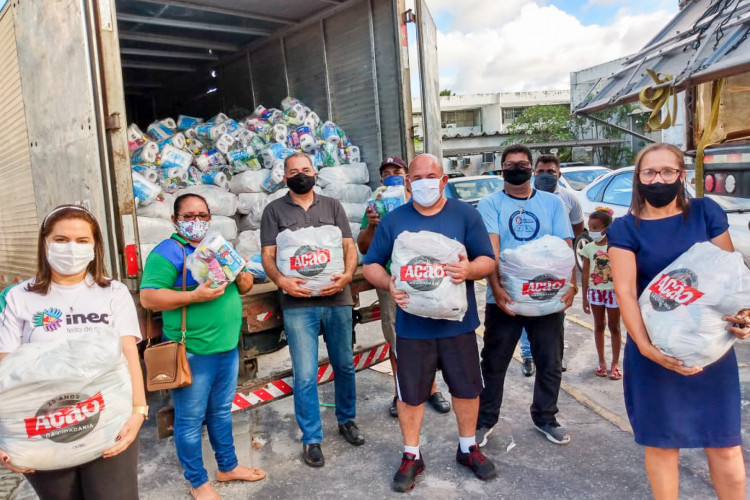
(517, 215)
(424, 344)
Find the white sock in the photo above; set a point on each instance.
(414, 450)
(466, 442)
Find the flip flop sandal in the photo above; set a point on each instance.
(600, 372)
(616, 374)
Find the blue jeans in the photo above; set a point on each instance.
(209, 398)
(525, 346)
(302, 325)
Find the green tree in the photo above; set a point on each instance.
(447, 92)
(548, 123)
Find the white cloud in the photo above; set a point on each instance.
(516, 45)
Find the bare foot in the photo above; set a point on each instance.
(205, 492)
(241, 473)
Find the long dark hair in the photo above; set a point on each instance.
(96, 267)
(637, 203)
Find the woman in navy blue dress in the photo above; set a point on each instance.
(671, 406)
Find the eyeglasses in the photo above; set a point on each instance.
(516, 164)
(668, 175)
(192, 217)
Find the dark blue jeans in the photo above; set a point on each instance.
(209, 398)
(302, 325)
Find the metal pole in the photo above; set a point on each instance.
(618, 127)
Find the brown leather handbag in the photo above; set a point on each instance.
(166, 363)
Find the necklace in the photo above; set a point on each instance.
(75, 298)
(520, 206)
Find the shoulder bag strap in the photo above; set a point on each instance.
(184, 288)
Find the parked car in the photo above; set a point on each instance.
(474, 188)
(453, 175)
(615, 190)
(573, 177)
(579, 176)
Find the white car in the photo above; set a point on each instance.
(615, 190)
(578, 177)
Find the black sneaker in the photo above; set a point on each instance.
(482, 434)
(439, 403)
(313, 455)
(527, 367)
(554, 432)
(393, 409)
(406, 475)
(477, 462)
(351, 433)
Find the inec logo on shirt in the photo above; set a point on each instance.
(52, 318)
(524, 226)
(49, 319)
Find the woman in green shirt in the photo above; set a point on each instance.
(214, 316)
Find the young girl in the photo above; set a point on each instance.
(599, 292)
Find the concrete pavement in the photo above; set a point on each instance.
(601, 460)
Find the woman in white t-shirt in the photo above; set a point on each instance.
(71, 290)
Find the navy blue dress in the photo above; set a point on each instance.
(666, 409)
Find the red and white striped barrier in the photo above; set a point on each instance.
(282, 387)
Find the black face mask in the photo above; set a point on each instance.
(545, 182)
(659, 195)
(516, 176)
(300, 183)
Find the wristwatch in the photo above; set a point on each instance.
(141, 410)
(574, 286)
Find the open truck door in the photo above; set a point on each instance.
(429, 80)
(54, 123)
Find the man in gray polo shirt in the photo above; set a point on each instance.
(304, 314)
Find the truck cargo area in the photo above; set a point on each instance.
(340, 57)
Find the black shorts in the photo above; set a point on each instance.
(417, 360)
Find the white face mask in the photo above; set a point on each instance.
(426, 192)
(69, 258)
(597, 236)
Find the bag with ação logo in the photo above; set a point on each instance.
(683, 305)
(63, 401)
(314, 254)
(418, 264)
(536, 275)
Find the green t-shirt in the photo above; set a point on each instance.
(600, 272)
(212, 327)
(364, 226)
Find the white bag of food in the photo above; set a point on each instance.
(248, 243)
(683, 305)
(226, 226)
(63, 402)
(355, 173)
(250, 181)
(154, 230)
(348, 193)
(161, 208)
(314, 254)
(354, 211)
(248, 223)
(536, 275)
(418, 264)
(245, 201)
(220, 202)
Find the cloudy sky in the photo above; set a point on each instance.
(511, 45)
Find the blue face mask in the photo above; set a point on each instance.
(393, 180)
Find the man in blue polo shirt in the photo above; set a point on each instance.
(424, 344)
(517, 215)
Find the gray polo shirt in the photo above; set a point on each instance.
(284, 213)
